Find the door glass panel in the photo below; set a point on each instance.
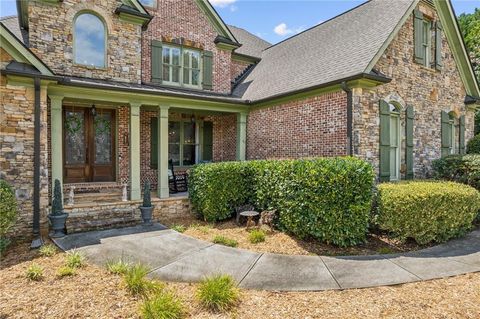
(188, 154)
(74, 126)
(103, 138)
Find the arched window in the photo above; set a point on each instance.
(394, 141)
(89, 40)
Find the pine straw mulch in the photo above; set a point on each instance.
(282, 243)
(94, 293)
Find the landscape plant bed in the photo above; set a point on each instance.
(95, 293)
(282, 243)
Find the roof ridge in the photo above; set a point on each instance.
(318, 25)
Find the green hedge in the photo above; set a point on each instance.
(328, 198)
(457, 168)
(427, 211)
(8, 211)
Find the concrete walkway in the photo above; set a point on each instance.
(175, 257)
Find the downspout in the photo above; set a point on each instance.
(349, 92)
(37, 238)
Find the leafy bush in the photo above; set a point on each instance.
(222, 240)
(66, 271)
(427, 211)
(137, 284)
(34, 272)
(473, 146)
(75, 259)
(118, 267)
(8, 212)
(163, 305)
(462, 169)
(327, 198)
(48, 250)
(216, 189)
(218, 293)
(256, 236)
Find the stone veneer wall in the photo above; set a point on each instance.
(16, 148)
(427, 90)
(310, 127)
(51, 39)
(184, 19)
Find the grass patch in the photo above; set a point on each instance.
(179, 228)
(218, 293)
(48, 250)
(162, 305)
(75, 259)
(66, 271)
(34, 272)
(204, 229)
(222, 240)
(137, 284)
(256, 236)
(117, 267)
(385, 250)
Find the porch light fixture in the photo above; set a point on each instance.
(93, 110)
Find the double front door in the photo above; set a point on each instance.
(89, 145)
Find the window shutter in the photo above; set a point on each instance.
(384, 141)
(156, 61)
(409, 142)
(207, 70)
(438, 46)
(446, 134)
(418, 36)
(153, 142)
(461, 143)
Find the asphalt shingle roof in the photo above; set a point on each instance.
(251, 44)
(334, 50)
(11, 23)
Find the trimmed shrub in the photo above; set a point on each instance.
(66, 271)
(256, 236)
(216, 189)
(456, 168)
(473, 146)
(327, 198)
(427, 211)
(8, 212)
(163, 305)
(218, 293)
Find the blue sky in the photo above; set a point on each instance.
(275, 20)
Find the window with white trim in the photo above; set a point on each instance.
(181, 66)
(394, 142)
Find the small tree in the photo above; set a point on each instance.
(57, 205)
(146, 195)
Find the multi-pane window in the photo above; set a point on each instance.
(454, 135)
(191, 67)
(427, 42)
(89, 40)
(171, 64)
(394, 143)
(181, 66)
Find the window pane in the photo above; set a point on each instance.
(195, 60)
(186, 59)
(166, 72)
(89, 40)
(74, 127)
(103, 138)
(166, 55)
(175, 74)
(394, 131)
(195, 77)
(393, 163)
(188, 154)
(173, 132)
(176, 56)
(189, 133)
(186, 76)
(174, 153)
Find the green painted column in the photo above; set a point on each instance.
(241, 136)
(162, 189)
(135, 187)
(56, 138)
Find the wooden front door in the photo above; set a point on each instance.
(89, 145)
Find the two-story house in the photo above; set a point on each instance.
(104, 93)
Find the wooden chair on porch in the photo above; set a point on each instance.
(177, 182)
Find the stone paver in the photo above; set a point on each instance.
(175, 257)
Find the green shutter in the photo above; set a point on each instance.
(153, 142)
(438, 46)
(418, 36)
(384, 141)
(446, 131)
(462, 134)
(409, 142)
(156, 61)
(207, 153)
(207, 70)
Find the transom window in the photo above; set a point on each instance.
(89, 40)
(181, 66)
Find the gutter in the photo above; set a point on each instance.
(37, 238)
(349, 92)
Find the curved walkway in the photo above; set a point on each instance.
(175, 257)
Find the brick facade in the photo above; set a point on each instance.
(315, 126)
(427, 90)
(237, 68)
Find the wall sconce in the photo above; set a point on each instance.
(93, 110)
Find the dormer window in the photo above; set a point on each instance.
(89, 45)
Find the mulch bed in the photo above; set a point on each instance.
(283, 243)
(94, 293)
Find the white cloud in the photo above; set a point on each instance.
(233, 8)
(222, 3)
(282, 29)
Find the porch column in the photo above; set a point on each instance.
(241, 136)
(162, 171)
(135, 187)
(56, 138)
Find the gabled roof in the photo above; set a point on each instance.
(215, 19)
(252, 45)
(336, 49)
(11, 23)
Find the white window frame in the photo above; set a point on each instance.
(427, 42)
(181, 82)
(171, 66)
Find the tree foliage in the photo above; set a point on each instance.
(470, 27)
